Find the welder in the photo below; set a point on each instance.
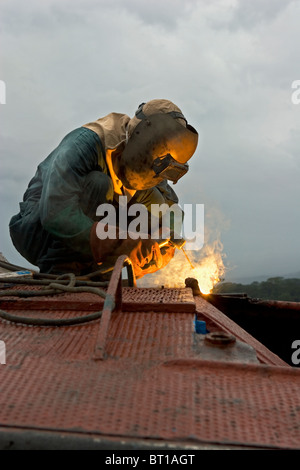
(97, 163)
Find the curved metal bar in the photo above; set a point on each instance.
(113, 301)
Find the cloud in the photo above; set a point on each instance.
(250, 14)
(227, 64)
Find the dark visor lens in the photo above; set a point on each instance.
(169, 169)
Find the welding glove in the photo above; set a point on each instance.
(167, 253)
(141, 251)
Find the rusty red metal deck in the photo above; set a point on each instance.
(140, 376)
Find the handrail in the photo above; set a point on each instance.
(113, 302)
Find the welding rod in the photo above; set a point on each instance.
(186, 255)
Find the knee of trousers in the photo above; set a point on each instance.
(98, 189)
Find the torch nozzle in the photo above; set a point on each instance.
(174, 240)
(177, 242)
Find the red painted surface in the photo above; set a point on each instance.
(154, 381)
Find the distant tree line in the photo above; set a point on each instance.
(274, 288)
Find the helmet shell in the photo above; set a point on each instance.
(154, 137)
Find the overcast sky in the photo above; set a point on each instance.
(228, 64)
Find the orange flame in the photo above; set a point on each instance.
(208, 269)
(208, 272)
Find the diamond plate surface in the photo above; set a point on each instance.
(153, 385)
(134, 299)
(197, 402)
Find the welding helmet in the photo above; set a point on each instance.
(159, 144)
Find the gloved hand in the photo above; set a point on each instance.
(167, 252)
(141, 251)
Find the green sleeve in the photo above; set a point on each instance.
(65, 171)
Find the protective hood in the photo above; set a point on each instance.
(159, 143)
(111, 129)
(151, 147)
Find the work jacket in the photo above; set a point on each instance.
(51, 210)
